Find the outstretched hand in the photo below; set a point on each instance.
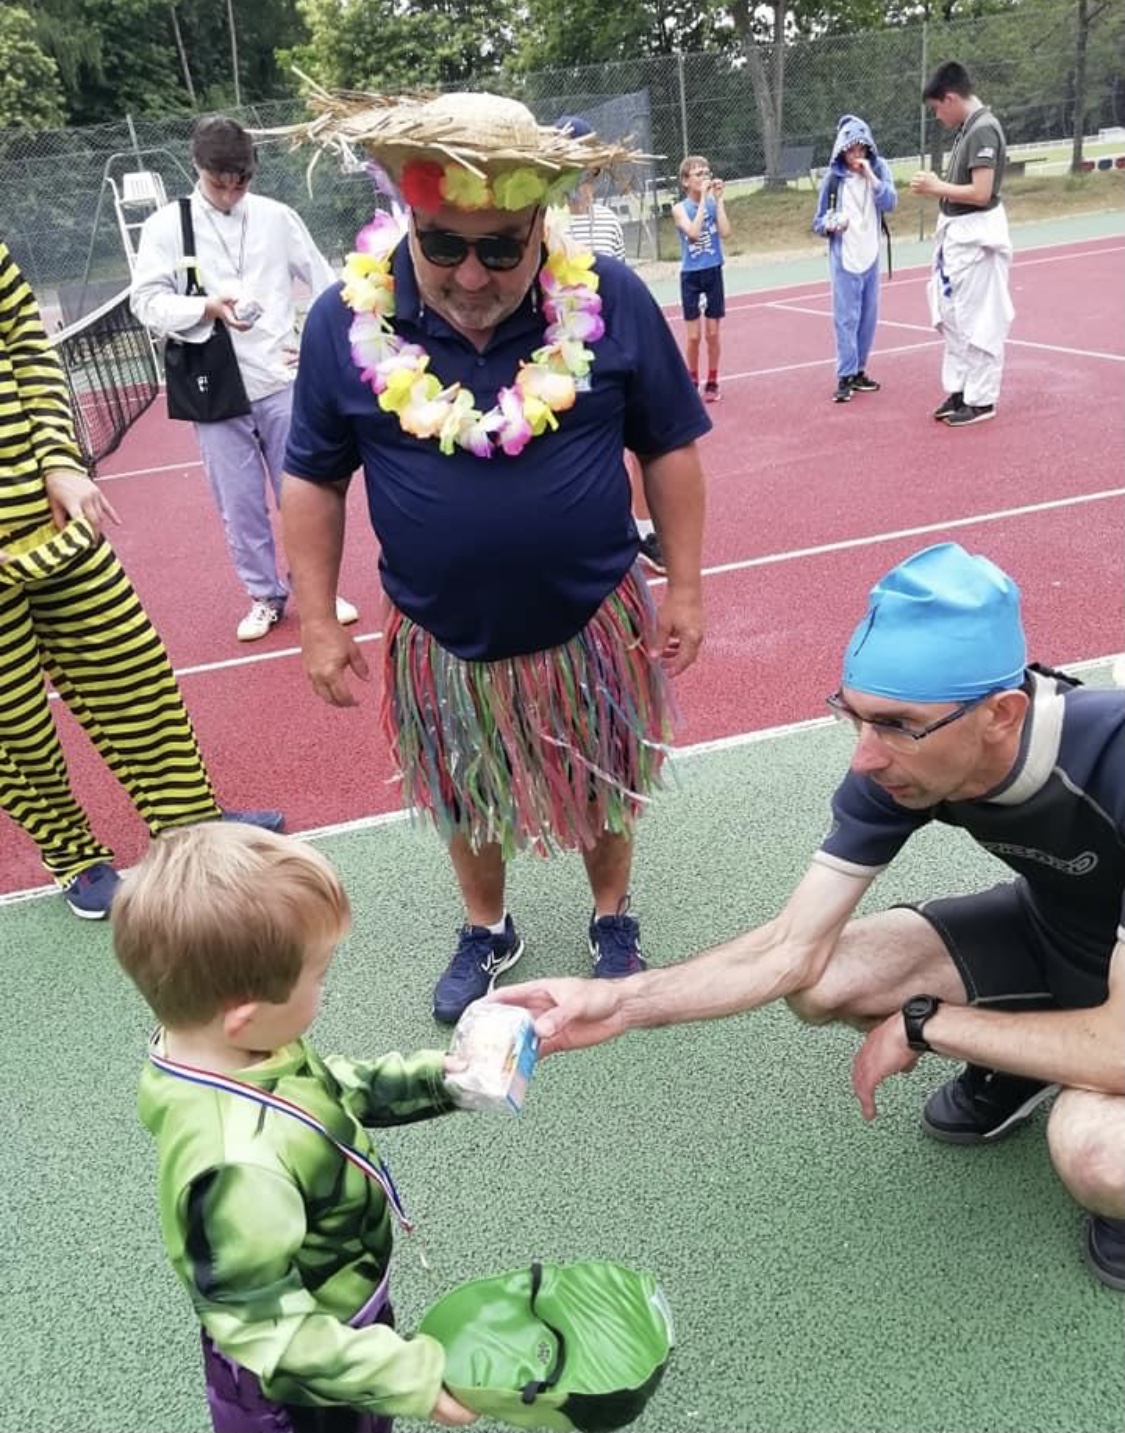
(569, 1014)
(884, 1052)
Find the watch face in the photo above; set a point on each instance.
(919, 1005)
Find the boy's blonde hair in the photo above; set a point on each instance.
(223, 913)
(688, 164)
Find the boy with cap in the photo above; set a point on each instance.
(275, 1208)
(1025, 981)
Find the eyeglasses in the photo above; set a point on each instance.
(496, 252)
(889, 730)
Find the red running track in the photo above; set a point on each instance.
(809, 502)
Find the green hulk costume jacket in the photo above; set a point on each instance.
(278, 1238)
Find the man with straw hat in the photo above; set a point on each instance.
(487, 373)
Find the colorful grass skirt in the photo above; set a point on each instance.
(542, 752)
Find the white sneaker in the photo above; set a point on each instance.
(346, 614)
(258, 620)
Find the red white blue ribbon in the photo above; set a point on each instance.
(211, 1079)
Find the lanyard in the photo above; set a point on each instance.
(210, 1079)
(226, 250)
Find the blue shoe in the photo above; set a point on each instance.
(471, 974)
(90, 894)
(615, 944)
(267, 820)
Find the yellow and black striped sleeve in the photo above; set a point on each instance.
(36, 423)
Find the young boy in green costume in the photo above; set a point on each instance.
(275, 1209)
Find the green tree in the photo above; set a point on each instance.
(31, 95)
(561, 33)
(385, 45)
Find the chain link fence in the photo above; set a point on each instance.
(57, 188)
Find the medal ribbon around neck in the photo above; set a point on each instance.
(398, 372)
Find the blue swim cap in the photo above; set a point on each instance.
(943, 626)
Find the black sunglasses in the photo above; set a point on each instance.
(497, 252)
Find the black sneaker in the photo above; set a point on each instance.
(951, 405)
(967, 414)
(651, 554)
(981, 1106)
(1105, 1250)
(711, 392)
(843, 393)
(862, 384)
(480, 957)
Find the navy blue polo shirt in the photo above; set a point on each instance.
(503, 556)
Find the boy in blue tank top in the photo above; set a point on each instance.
(702, 225)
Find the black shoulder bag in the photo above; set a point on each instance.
(203, 380)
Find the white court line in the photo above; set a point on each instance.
(852, 542)
(822, 362)
(783, 307)
(145, 472)
(745, 564)
(677, 753)
(911, 275)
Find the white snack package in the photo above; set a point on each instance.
(500, 1048)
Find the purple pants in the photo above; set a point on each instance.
(240, 457)
(238, 1405)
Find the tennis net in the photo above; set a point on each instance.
(112, 372)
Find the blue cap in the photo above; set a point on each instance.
(943, 626)
(574, 125)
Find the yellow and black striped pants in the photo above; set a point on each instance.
(84, 627)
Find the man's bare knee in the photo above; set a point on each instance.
(879, 962)
(1086, 1138)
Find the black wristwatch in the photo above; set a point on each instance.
(915, 1013)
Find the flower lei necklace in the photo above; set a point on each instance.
(398, 372)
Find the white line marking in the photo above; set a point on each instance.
(720, 569)
(147, 472)
(1058, 348)
(872, 540)
(678, 753)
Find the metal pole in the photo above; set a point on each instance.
(922, 135)
(234, 55)
(133, 137)
(683, 100)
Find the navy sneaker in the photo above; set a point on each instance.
(480, 957)
(267, 820)
(1105, 1250)
(981, 1106)
(949, 406)
(90, 894)
(615, 944)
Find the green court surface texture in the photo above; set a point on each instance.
(826, 1275)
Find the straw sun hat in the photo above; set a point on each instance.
(470, 150)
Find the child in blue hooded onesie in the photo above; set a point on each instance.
(855, 193)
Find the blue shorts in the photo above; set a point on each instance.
(694, 282)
